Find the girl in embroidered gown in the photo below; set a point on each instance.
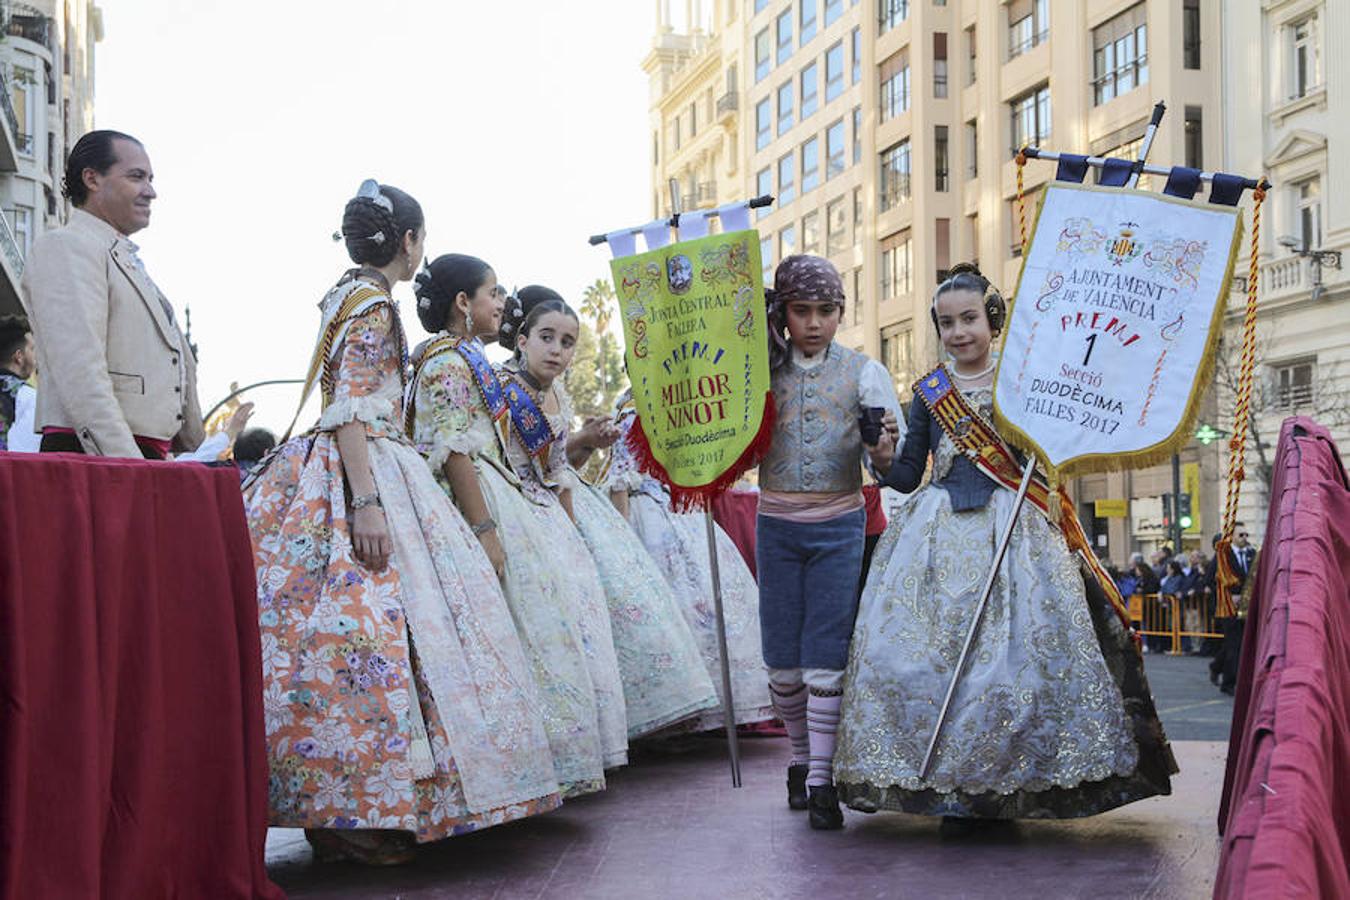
(399, 704)
(678, 542)
(459, 419)
(1052, 717)
(664, 680)
(543, 332)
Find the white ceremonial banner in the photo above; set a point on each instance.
(1112, 331)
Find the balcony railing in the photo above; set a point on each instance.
(9, 248)
(728, 103)
(1282, 276)
(7, 106)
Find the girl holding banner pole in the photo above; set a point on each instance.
(1052, 717)
(460, 419)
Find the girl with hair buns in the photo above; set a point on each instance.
(1052, 717)
(541, 329)
(458, 417)
(400, 706)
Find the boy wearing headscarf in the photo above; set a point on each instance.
(834, 407)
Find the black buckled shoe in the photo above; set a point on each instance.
(823, 808)
(796, 784)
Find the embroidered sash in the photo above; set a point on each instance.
(489, 386)
(531, 425)
(978, 441)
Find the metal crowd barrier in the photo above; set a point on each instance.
(1172, 624)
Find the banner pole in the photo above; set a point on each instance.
(728, 702)
(1159, 110)
(1004, 539)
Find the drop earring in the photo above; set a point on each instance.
(524, 360)
(468, 324)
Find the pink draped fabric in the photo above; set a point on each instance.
(1286, 808)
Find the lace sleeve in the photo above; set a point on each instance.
(623, 472)
(369, 359)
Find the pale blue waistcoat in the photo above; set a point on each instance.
(817, 446)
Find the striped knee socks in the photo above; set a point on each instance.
(790, 705)
(822, 723)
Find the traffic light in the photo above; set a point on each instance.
(1167, 511)
(1184, 510)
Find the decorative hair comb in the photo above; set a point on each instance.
(370, 190)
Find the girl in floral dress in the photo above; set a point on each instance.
(399, 704)
(460, 421)
(678, 542)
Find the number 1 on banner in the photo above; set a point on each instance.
(1092, 345)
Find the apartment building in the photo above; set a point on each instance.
(887, 130)
(46, 103)
(1287, 115)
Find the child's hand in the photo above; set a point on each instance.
(891, 425)
(883, 454)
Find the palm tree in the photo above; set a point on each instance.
(597, 303)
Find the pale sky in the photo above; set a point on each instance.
(520, 127)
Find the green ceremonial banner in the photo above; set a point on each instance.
(697, 353)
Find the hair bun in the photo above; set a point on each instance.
(513, 316)
(963, 268)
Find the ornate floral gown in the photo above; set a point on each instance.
(549, 581)
(678, 542)
(1052, 717)
(399, 699)
(664, 679)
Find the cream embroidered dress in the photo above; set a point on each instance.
(678, 542)
(546, 586)
(398, 699)
(1038, 725)
(664, 680)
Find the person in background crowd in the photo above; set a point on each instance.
(1171, 588)
(1146, 580)
(119, 378)
(1192, 597)
(18, 362)
(250, 447)
(1160, 559)
(1223, 669)
(1127, 582)
(873, 530)
(1210, 645)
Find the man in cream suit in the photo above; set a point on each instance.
(118, 377)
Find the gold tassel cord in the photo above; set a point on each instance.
(1021, 161)
(1237, 444)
